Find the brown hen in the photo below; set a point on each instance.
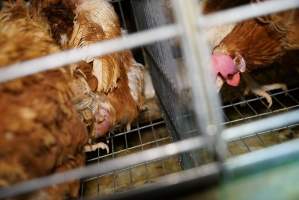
(40, 130)
(116, 77)
(257, 43)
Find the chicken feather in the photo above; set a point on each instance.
(97, 21)
(257, 43)
(116, 78)
(40, 130)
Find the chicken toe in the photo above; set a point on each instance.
(93, 147)
(275, 86)
(262, 90)
(262, 93)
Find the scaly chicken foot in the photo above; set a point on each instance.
(93, 147)
(262, 91)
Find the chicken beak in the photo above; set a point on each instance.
(234, 80)
(219, 83)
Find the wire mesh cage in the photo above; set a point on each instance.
(165, 68)
(172, 152)
(165, 65)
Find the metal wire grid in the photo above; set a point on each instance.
(140, 138)
(255, 108)
(122, 142)
(125, 142)
(235, 112)
(119, 44)
(164, 70)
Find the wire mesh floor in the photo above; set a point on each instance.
(141, 137)
(255, 108)
(154, 133)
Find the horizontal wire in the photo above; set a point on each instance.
(98, 49)
(277, 152)
(241, 13)
(261, 125)
(271, 157)
(105, 167)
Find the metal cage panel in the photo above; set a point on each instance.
(156, 145)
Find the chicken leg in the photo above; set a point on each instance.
(262, 91)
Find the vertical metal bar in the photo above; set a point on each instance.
(98, 161)
(82, 190)
(291, 131)
(226, 118)
(157, 144)
(122, 15)
(197, 55)
(292, 97)
(113, 157)
(237, 111)
(243, 117)
(145, 164)
(126, 149)
(245, 144)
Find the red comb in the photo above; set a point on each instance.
(225, 66)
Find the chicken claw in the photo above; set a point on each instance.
(275, 86)
(262, 91)
(93, 147)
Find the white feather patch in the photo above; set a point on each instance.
(100, 12)
(97, 71)
(149, 91)
(135, 78)
(216, 34)
(63, 39)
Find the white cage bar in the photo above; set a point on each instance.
(144, 38)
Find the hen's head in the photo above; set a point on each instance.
(227, 69)
(104, 117)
